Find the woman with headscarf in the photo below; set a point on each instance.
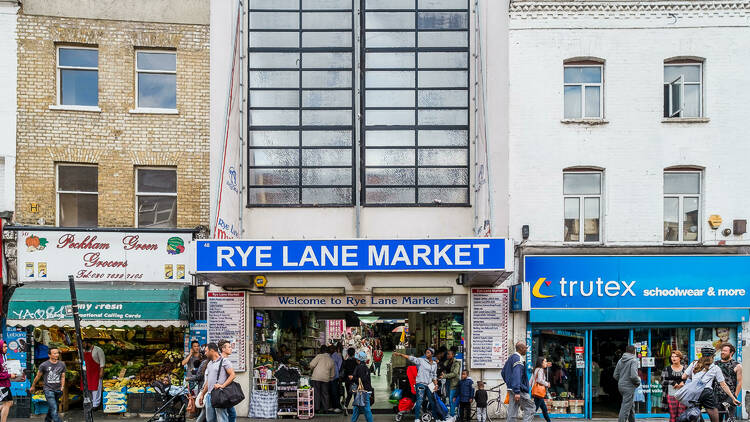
(6, 398)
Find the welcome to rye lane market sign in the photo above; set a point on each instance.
(355, 255)
(103, 256)
(358, 301)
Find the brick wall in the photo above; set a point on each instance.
(114, 138)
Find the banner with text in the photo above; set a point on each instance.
(356, 255)
(103, 256)
(632, 281)
(226, 321)
(489, 328)
(358, 301)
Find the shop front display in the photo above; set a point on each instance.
(585, 310)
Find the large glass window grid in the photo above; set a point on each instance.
(301, 98)
(416, 76)
(682, 194)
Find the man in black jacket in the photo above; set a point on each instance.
(514, 374)
(347, 373)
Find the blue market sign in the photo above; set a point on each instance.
(356, 255)
(632, 281)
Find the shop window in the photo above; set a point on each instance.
(682, 197)
(156, 79)
(564, 350)
(582, 193)
(77, 76)
(156, 197)
(582, 87)
(714, 337)
(77, 195)
(683, 90)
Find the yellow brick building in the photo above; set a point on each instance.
(83, 99)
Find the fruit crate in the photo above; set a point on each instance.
(150, 402)
(21, 407)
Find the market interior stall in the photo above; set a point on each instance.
(291, 339)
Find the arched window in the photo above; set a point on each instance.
(583, 87)
(683, 87)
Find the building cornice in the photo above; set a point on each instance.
(522, 9)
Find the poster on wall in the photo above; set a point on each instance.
(335, 329)
(103, 256)
(17, 346)
(226, 321)
(198, 331)
(489, 328)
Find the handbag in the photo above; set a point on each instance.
(538, 390)
(507, 398)
(362, 396)
(226, 397)
(191, 409)
(690, 392)
(199, 403)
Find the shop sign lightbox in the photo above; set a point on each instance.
(103, 256)
(355, 255)
(638, 281)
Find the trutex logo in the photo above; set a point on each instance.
(596, 287)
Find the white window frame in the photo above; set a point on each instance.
(157, 110)
(59, 76)
(682, 83)
(582, 207)
(681, 207)
(58, 191)
(583, 92)
(139, 194)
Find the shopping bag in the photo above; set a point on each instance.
(362, 396)
(539, 391)
(690, 392)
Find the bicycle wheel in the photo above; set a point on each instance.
(496, 410)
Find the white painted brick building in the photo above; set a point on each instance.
(8, 14)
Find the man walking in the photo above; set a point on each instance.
(335, 383)
(225, 348)
(322, 373)
(94, 357)
(52, 373)
(426, 377)
(626, 374)
(193, 356)
(219, 374)
(514, 374)
(732, 371)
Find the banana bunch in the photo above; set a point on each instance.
(172, 356)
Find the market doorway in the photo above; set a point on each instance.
(295, 337)
(607, 348)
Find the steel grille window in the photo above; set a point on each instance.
(414, 58)
(416, 116)
(301, 96)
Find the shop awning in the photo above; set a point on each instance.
(48, 304)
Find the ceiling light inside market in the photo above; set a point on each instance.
(363, 312)
(369, 319)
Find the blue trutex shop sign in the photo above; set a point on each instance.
(355, 255)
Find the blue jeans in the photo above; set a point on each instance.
(362, 409)
(53, 397)
(540, 404)
(423, 390)
(213, 414)
(231, 414)
(453, 399)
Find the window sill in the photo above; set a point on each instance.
(94, 109)
(590, 122)
(685, 120)
(154, 111)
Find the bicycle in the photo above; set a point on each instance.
(496, 407)
(729, 410)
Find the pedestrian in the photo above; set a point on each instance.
(95, 360)
(52, 373)
(626, 375)
(452, 374)
(426, 377)
(465, 396)
(514, 374)
(193, 357)
(225, 348)
(539, 376)
(362, 375)
(198, 379)
(348, 374)
(219, 374)
(377, 357)
(6, 398)
(335, 384)
(671, 378)
(732, 371)
(322, 373)
(480, 398)
(707, 372)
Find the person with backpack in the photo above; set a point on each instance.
(514, 374)
(626, 374)
(219, 374)
(732, 371)
(705, 372)
(361, 376)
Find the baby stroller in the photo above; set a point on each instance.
(174, 401)
(408, 401)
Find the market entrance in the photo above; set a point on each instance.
(607, 348)
(293, 338)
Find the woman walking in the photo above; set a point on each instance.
(672, 381)
(6, 398)
(361, 377)
(705, 371)
(540, 377)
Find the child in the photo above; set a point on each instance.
(465, 396)
(481, 398)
